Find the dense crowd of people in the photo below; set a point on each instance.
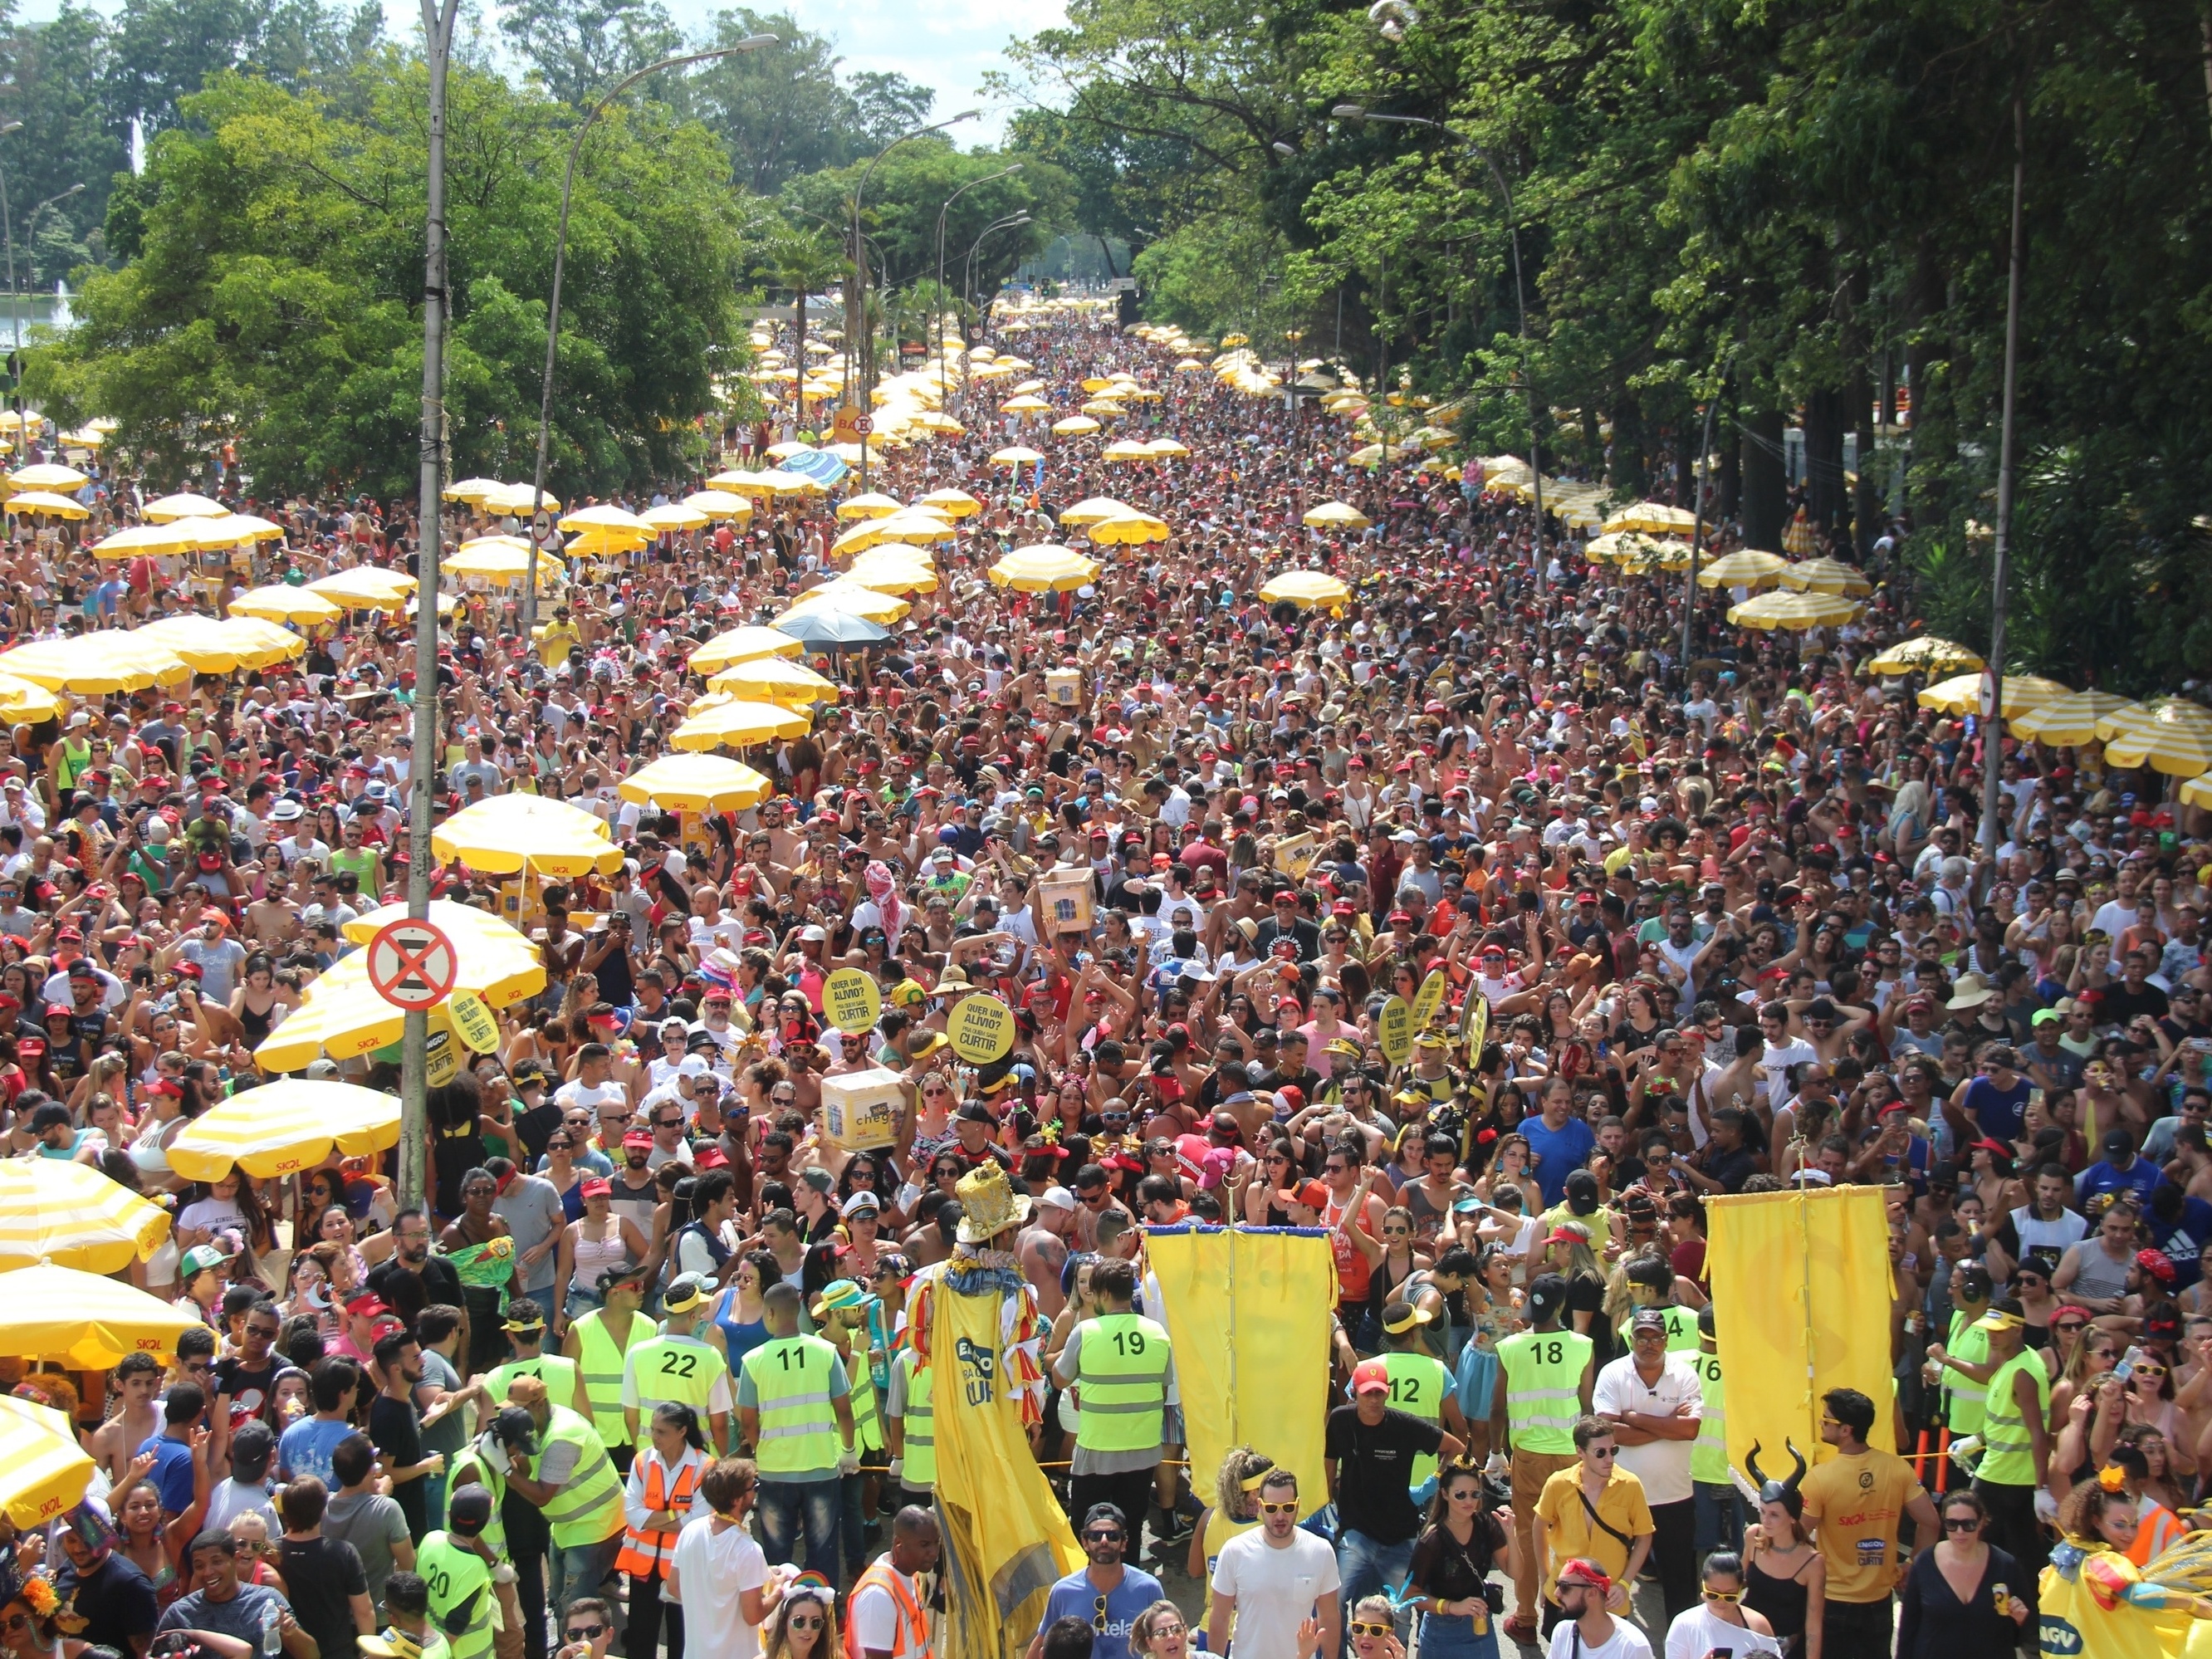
(640, 1371)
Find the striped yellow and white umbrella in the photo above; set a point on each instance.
(778, 482)
(72, 1215)
(873, 505)
(1928, 654)
(1648, 553)
(285, 1127)
(232, 530)
(224, 647)
(904, 571)
(185, 505)
(147, 541)
(365, 587)
(96, 663)
(2198, 792)
(1744, 568)
(1795, 612)
(914, 526)
(676, 516)
(283, 604)
(741, 483)
(502, 560)
(1126, 449)
(1015, 455)
(1044, 568)
(516, 501)
(1075, 426)
(2071, 721)
(84, 1321)
(603, 517)
(737, 724)
(954, 504)
(45, 474)
(499, 835)
(1093, 509)
(774, 679)
(473, 490)
(1026, 403)
(1129, 529)
(46, 504)
(696, 783)
(44, 1470)
(1827, 576)
(1962, 693)
(2172, 735)
(743, 645)
(1167, 448)
(1335, 515)
(853, 600)
(720, 504)
(1307, 589)
(343, 1015)
(22, 702)
(1653, 519)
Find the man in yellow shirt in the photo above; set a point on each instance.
(1594, 1511)
(1856, 1505)
(555, 640)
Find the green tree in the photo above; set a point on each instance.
(577, 50)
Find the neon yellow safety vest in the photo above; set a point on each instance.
(919, 1469)
(1418, 1382)
(1121, 1368)
(867, 1407)
(792, 1379)
(1964, 1398)
(601, 1363)
(492, 1477)
(1681, 1328)
(1709, 1464)
(1543, 1388)
(453, 1576)
(558, 1375)
(588, 1507)
(2008, 1454)
(682, 1368)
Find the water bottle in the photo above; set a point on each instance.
(272, 1635)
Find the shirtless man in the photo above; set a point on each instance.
(1042, 1248)
(116, 1442)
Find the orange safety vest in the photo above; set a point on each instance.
(644, 1552)
(912, 1623)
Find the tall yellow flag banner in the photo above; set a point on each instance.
(1248, 1312)
(1800, 1305)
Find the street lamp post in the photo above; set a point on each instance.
(1992, 834)
(1001, 173)
(968, 279)
(856, 303)
(750, 43)
(1359, 112)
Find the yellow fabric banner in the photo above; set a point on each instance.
(1006, 1540)
(1800, 1305)
(1248, 1314)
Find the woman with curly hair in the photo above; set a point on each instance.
(2092, 1598)
(1234, 1511)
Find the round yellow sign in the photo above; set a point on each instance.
(983, 1029)
(851, 999)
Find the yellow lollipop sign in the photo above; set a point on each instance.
(983, 1029)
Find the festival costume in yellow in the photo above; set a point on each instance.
(2096, 1604)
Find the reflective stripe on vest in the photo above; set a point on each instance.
(1543, 1388)
(912, 1637)
(681, 1368)
(2008, 1446)
(1123, 1376)
(867, 1411)
(919, 1467)
(644, 1550)
(1966, 1399)
(799, 1432)
(601, 1366)
(558, 1375)
(588, 1506)
(1709, 1452)
(453, 1574)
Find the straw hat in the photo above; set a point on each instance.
(988, 1204)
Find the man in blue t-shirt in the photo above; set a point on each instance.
(1124, 1591)
(182, 1410)
(305, 1448)
(1997, 1098)
(1558, 1141)
(2179, 1226)
(2119, 1171)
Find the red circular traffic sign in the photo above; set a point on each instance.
(863, 425)
(411, 964)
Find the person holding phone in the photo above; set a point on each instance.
(1720, 1626)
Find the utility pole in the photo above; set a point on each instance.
(1993, 716)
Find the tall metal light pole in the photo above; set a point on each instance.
(438, 20)
(15, 316)
(1993, 720)
(1001, 173)
(750, 43)
(859, 338)
(1360, 113)
(968, 280)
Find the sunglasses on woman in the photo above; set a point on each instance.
(1361, 1627)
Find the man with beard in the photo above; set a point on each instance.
(411, 1278)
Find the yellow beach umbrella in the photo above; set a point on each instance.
(1129, 529)
(780, 482)
(1962, 693)
(232, 530)
(2172, 735)
(1928, 655)
(1654, 518)
(1744, 568)
(365, 587)
(951, 503)
(587, 520)
(283, 1127)
(1827, 576)
(743, 645)
(720, 504)
(73, 1216)
(1335, 515)
(775, 679)
(501, 833)
(675, 516)
(1650, 553)
(2198, 792)
(46, 504)
(1168, 447)
(283, 604)
(1108, 406)
(183, 506)
(1014, 455)
(473, 490)
(150, 540)
(1075, 426)
(914, 526)
(696, 783)
(47, 475)
(739, 724)
(1126, 449)
(44, 1470)
(1090, 511)
(518, 501)
(742, 482)
(1045, 568)
(224, 647)
(1795, 612)
(901, 570)
(96, 663)
(503, 563)
(853, 600)
(873, 505)
(22, 702)
(1026, 403)
(2070, 721)
(1307, 589)
(857, 538)
(789, 446)
(85, 1321)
